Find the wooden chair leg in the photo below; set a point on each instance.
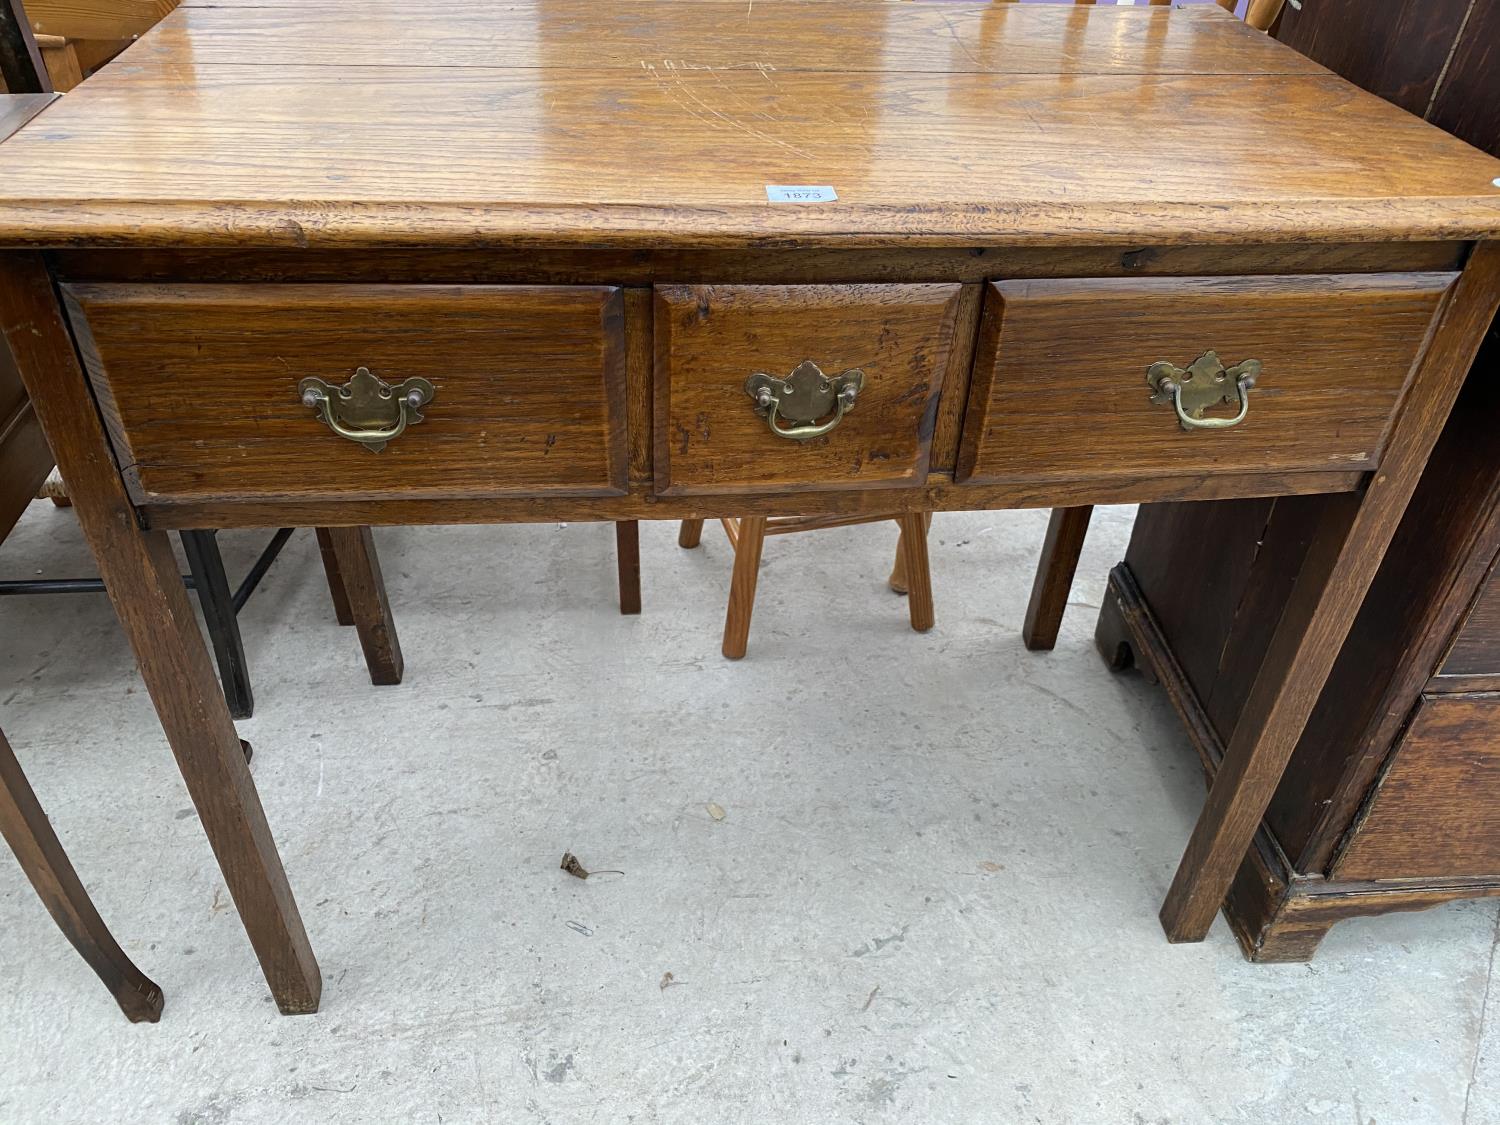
(140, 574)
(690, 533)
(1054, 577)
(336, 589)
(30, 836)
(897, 580)
(359, 570)
(751, 537)
(918, 576)
(628, 559)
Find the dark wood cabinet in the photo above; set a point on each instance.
(1392, 797)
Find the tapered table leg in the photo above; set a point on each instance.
(140, 573)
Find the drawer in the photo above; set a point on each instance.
(1436, 812)
(1061, 390)
(711, 434)
(201, 388)
(1476, 648)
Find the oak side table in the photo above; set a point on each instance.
(652, 261)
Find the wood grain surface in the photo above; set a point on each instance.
(770, 36)
(667, 265)
(1476, 649)
(711, 338)
(1060, 378)
(939, 494)
(171, 145)
(199, 387)
(1420, 821)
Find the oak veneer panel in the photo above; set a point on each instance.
(1060, 376)
(769, 36)
(1476, 649)
(711, 338)
(1422, 820)
(198, 384)
(327, 155)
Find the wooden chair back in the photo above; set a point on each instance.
(1260, 14)
(63, 41)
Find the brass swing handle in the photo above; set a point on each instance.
(367, 409)
(1204, 383)
(803, 397)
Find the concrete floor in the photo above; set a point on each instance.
(931, 897)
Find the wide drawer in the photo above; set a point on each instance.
(1436, 812)
(1317, 363)
(805, 344)
(202, 388)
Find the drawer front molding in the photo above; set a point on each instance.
(1071, 377)
(206, 388)
(861, 366)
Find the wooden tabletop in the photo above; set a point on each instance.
(647, 122)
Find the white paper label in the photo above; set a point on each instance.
(801, 193)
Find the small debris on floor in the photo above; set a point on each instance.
(991, 866)
(580, 928)
(668, 980)
(571, 865)
(870, 999)
(716, 811)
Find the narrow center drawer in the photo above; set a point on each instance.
(202, 388)
(804, 345)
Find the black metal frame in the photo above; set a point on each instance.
(220, 604)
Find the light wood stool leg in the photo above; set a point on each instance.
(1066, 532)
(897, 581)
(918, 576)
(30, 836)
(359, 571)
(747, 546)
(690, 533)
(141, 576)
(628, 559)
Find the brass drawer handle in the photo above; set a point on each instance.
(803, 397)
(367, 409)
(1205, 382)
